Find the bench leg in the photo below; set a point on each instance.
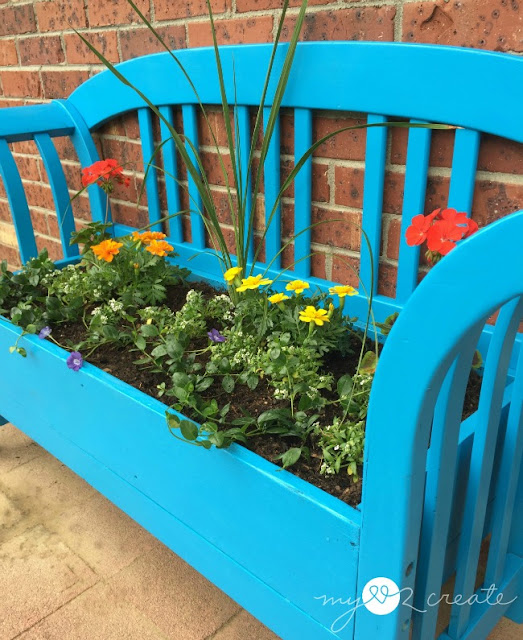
(515, 612)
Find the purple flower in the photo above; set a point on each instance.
(216, 336)
(75, 361)
(44, 333)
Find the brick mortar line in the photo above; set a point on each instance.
(227, 15)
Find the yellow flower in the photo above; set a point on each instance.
(343, 290)
(159, 248)
(298, 286)
(278, 297)
(253, 282)
(106, 250)
(136, 265)
(318, 316)
(231, 273)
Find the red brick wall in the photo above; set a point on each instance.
(41, 58)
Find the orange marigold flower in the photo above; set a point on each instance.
(148, 236)
(159, 248)
(106, 250)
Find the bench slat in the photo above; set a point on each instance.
(302, 193)
(17, 203)
(150, 161)
(413, 203)
(56, 177)
(442, 459)
(463, 175)
(190, 127)
(373, 201)
(271, 181)
(243, 144)
(482, 459)
(509, 470)
(87, 154)
(171, 169)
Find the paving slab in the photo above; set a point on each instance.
(45, 486)
(180, 601)
(96, 614)
(38, 574)
(16, 448)
(242, 627)
(9, 513)
(103, 535)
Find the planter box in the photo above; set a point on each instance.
(244, 523)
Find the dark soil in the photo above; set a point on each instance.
(119, 362)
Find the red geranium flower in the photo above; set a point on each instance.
(442, 236)
(105, 173)
(417, 232)
(472, 227)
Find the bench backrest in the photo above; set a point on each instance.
(338, 76)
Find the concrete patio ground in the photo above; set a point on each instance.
(75, 567)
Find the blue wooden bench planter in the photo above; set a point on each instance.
(273, 542)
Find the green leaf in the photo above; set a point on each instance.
(31, 328)
(344, 386)
(189, 430)
(172, 420)
(140, 343)
(306, 403)
(22, 352)
(369, 362)
(252, 381)
(217, 438)
(110, 332)
(174, 348)
(180, 379)
(149, 330)
(204, 384)
(12, 349)
(290, 457)
(477, 360)
(159, 351)
(228, 383)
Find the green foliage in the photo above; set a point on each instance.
(93, 233)
(388, 324)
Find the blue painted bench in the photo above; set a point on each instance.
(434, 487)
